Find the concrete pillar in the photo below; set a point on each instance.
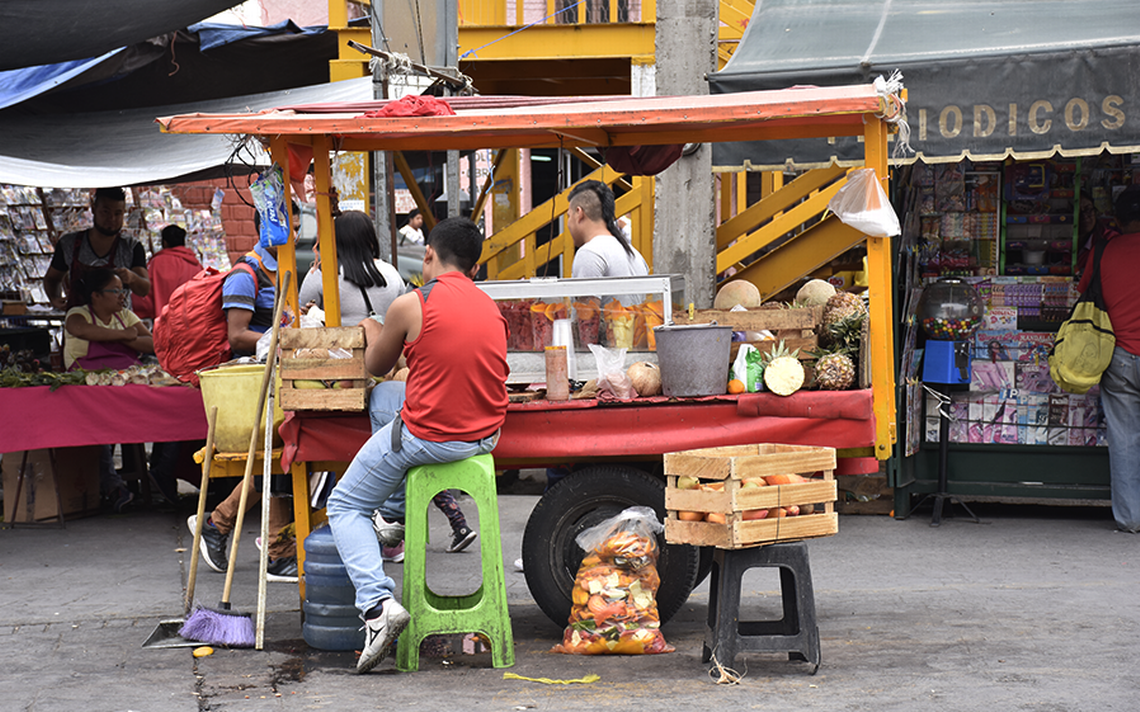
(684, 239)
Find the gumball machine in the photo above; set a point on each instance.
(950, 311)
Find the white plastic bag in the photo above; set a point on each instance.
(611, 372)
(863, 205)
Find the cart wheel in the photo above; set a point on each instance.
(551, 555)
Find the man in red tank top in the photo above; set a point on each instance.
(455, 401)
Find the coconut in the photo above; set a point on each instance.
(815, 293)
(646, 378)
(737, 292)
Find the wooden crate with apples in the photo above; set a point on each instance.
(748, 495)
(323, 369)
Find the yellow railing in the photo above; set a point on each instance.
(497, 12)
(775, 241)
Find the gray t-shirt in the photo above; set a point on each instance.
(353, 308)
(603, 256)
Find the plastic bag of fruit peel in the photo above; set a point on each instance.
(862, 204)
(614, 609)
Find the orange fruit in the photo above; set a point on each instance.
(736, 386)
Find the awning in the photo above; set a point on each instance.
(35, 32)
(987, 79)
(126, 147)
(583, 122)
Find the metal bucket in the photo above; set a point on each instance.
(693, 358)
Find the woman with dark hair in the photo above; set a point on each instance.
(103, 333)
(367, 283)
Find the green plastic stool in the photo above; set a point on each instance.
(485, 610)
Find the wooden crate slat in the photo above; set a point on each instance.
(785, 528)
(770, 318)
(340, 337)
(323, 369)
(782, 464)
(350, 399)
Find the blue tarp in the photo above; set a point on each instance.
(212, 34)
(17, 85)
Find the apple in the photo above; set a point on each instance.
(753, 482)
(687, 482)
(793, 510)
(751, 515)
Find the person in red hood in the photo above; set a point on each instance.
(174, 265)
(169, 269)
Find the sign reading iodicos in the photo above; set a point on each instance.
(1040, 117)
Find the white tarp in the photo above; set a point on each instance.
(114, 148)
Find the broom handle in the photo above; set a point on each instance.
(211, 423)
(247, 479)
(263, 555)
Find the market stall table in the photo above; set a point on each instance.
(39, 418)
(71, 416)
(540, 433)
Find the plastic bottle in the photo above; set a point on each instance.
(332, 621)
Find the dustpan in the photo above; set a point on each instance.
(166, 634)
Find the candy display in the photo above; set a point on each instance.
(950, 309)
(951, 329)
(614, 597)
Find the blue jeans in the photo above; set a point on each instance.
(1120, 395)
(375, 481)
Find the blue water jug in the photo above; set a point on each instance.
(331, 619)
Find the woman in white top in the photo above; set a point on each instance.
(367, 283)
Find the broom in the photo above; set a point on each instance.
(223, 625)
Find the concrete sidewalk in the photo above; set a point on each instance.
(1034, 609)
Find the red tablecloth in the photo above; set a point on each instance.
(34, 418)
(542, 431)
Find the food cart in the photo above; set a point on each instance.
(617, 446)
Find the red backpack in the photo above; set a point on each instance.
(192, 332)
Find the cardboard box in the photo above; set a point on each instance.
(76, 471)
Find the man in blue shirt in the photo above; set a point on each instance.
(249, 314)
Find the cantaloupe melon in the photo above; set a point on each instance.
(737, 292)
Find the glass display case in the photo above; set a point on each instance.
(616, 312)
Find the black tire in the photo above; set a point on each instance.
(582, 499)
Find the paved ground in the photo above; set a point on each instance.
(1035, 609)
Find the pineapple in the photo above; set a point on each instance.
(835, 372)
(842, 306)
(835, 367)
(783, 372)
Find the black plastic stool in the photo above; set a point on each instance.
(796, 633)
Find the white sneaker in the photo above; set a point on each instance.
(389, 533)
(380, 633)
(395, 554)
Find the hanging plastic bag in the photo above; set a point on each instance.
(614, 597)
(269, 198)
(863, 205)
(612, 377)
(748, 368)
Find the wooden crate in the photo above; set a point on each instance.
(732, 465)
(774, 318)
(303, 359)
